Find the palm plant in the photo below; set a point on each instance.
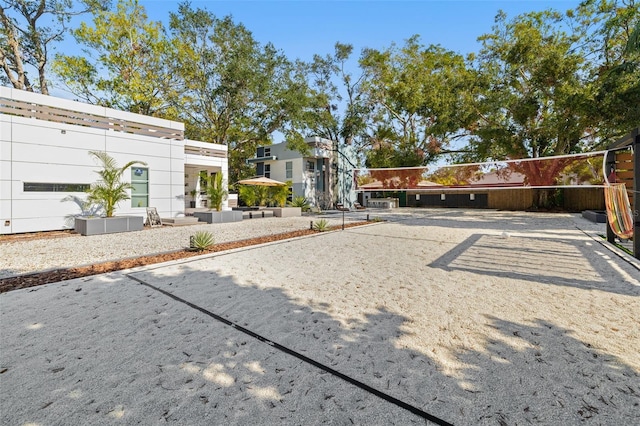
(110, 189)
(253, 195)
(216, 192)
(278, 194)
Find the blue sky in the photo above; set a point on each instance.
(302, 28)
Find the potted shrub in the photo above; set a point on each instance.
(278, 194)
(278, 198)
(253, 195)
(193, 194)
(217, 194)
(108, 191)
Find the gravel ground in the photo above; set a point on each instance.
(21, 257)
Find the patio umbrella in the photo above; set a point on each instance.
(261, 181)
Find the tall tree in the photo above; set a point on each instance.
(535, 90)
(236, 92)
(338, 111)
(124, 62)
(536, 97)
(617, 77)
(418, 95)
(29, 30)
(554, 84)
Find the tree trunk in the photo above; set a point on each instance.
(543, 198)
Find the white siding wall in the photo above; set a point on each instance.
(33, 150)
(278, 170)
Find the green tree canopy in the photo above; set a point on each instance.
(553, 83)
(543, 80)
(338, 110)
(618, 74)
(235, 91)
(124, 62)
(535, 92)
(29, 30)
(418, 97)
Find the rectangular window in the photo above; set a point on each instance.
(311, 166)
(140, 187)
(289, 170)
(55, 187)
(267, 152)
(267, 170)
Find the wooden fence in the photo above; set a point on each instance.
(624, 171)
(571, 199)
(518, 199)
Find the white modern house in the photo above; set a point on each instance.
(45, 165)
(324, 175)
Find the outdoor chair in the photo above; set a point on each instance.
(341, 207)
(358, 206)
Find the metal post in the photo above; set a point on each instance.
(311, 225)
(611, 165)
(343, 220)
(636, 195)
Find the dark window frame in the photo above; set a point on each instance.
(55, 187)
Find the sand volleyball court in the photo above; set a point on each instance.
(471, 317)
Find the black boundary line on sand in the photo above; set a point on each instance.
(301, 357)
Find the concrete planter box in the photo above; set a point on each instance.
(255, 214)
(107, 225)
(595, 216)
(219, 217)
(285, 211)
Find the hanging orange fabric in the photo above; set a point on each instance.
(619, 211)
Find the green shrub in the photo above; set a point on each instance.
(252, 195)
(300, 201)
(201, 240)
(110, 189)
(216, 192)
(321, 225)
(277, 196)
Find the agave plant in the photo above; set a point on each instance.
(201, 241)
(110, 189)
(300, 201)
(321, 225)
